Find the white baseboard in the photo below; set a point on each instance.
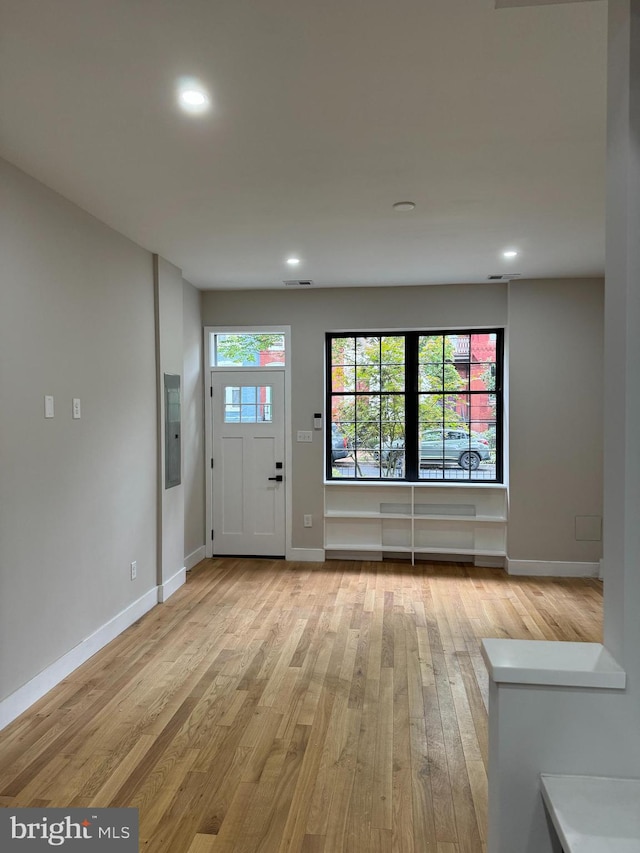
(306, 555)
(170, 586)
(25, 696)
(194, 558)
(550, 568)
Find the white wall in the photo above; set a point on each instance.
(311, 313)
(77, 497)
(552, 326)
(622, 344)
(192, 425)
(168, 293)
(556, 332)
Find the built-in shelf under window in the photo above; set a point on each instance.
(414, 520)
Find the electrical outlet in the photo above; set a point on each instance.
(134, 570)
(308, 521)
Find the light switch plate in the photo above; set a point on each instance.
(305, 435)
(76, 410)
(48, 406)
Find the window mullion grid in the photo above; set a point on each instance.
(380, 460)
(412, 395)
(499, 391)
(356, 431)
(330, 396)
(443, 397)
(411, 407)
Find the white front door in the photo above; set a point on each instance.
(248, 491)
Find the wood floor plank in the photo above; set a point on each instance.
(154, 798)
(236, 814)
(313, 844)
(295, 826)
(114, 781)
(283, 792)
(282, 707)
(331, 760)
(423, 809)
(478, 781)
(202, 844)
(402, 799)
(342, 782)
(382, 793)
(360, 807)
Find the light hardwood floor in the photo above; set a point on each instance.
(299, 707)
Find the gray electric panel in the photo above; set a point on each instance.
(172, 430)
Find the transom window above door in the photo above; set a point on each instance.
(246, 349)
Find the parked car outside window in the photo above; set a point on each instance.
(453, 445)
(438, 446)
(339, 444)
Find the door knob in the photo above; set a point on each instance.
(278, 478)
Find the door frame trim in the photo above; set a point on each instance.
(208, 422)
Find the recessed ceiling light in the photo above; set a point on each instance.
(192, 96)
(510, 253)
(293, 262)
(404, 205)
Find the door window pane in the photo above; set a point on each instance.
(248, 404)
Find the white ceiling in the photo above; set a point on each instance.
(326, 112)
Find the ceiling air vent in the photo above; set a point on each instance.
(298, 283)
(506, 277)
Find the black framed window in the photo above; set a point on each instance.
(415, 406)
